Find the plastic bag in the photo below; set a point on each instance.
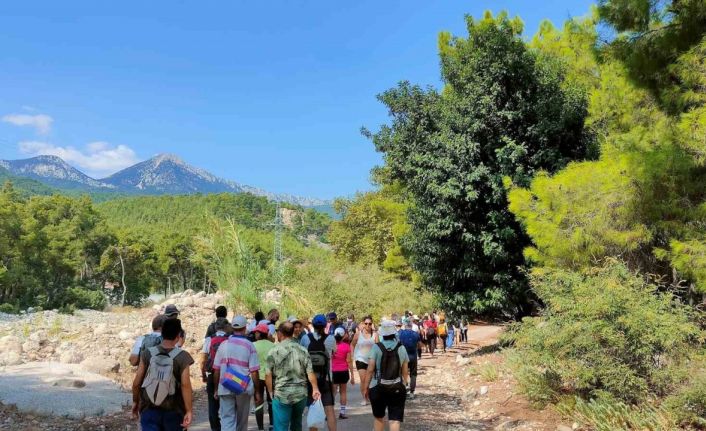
(316, 418)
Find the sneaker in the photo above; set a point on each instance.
(342, 416)
(364, 403)
(411, 396)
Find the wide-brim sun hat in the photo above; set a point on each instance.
(387, 327)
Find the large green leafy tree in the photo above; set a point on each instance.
(504, 112)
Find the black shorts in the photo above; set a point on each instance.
(341, 377)
(393, 403)
(326, 390)
(360, 365)
(413, 367)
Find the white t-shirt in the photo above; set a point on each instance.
(138, 343)
(207, 342)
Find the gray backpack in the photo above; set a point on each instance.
(159, 381)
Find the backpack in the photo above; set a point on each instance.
(390, 373)
(442, 329)
(150, 340)
(319, 356)
(213, 349)
(160, 381)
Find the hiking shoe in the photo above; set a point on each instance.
(342, 416)
(411, 396)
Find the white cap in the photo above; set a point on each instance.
(387, 327)
(339, 331)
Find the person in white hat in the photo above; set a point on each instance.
(386, 378)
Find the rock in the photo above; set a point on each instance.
(10, 358)
(188, 301)
(70, 383)
(208, 305)
(101, 365)
(10, 343)
(483, 390)
(509, 425)
(125, 335)
(200, 294)
(39, 337)
(187, 292)
(563, 428)
(30, 346)
(70, 357)
(476, 403)
(101, 329)
(157, 308)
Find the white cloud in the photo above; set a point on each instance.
(40, 122)
(97, 159)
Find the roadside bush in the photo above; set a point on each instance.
(84, 298)
(605, 331)
(8, 308)
(688, 403)
(605, 413)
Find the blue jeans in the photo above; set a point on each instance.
(161, 420)
(288, 417)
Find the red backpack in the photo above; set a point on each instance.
(212, 349)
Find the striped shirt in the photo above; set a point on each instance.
(240, 354)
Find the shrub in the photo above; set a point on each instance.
(604, 331)
(605, 413)
(688, 403)
(8, 308)
(84, 298)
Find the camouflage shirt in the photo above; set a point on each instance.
(289, 364)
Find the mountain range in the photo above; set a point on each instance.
(162, 174)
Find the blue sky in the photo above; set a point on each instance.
(266, 93)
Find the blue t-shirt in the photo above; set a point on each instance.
(409, 340)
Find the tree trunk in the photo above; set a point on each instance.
(122, 266)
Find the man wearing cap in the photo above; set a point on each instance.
(263, 345)
(171, 311)
(208, 356)
(380, 400)
(412, 342)
(288, 371)
(312, 343)
(239, 354)
(333, 323)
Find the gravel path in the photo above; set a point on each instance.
(48, 388)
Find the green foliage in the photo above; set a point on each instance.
(651, 35)
(8, 308)
(505, 110)
(371, 231)
(84, 298)
(688, 403)
(607, 414)
(604, 331)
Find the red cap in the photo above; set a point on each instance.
(262, 328)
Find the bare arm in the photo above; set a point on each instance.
(268, 383)
(315, 394)
(134, 359)
(351, 368)
(355, 340)
(405, 373)
(204, 361)
(255, 377)
(365, 384)
(216, 381)
(187, 395)
(136, 388)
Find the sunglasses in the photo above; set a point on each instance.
(367, 323)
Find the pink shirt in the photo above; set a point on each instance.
(338, 360)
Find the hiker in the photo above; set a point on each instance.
(464, 330)
(171, 312)
(258, 318)
(289, 369)
(333, 323)
(429, 328)
(299, 329)
(386, 378)
(442, 330)
(362, 342)
(272, 317)
(351, 327)
(221, 313)
(146, 341)
(236, 368)
(321, 347)
(416, 327)
(208, 356)
(263, 345)
(342, 369)
(161, 390)
(412, 343)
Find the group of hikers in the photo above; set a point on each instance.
(284, 368)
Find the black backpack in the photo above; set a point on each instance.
(390, 373)
(319, 356)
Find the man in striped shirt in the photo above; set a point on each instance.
(239, 354)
